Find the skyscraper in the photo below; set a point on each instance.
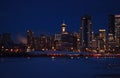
(86, 29)
(30, 39)
(102, 40)
(114, 28)
(102, 34)
(111, 25)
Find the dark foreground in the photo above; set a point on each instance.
(59, 67)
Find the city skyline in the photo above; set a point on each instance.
(23, 34)
(60, 38)
(46, 16)
(85, 40)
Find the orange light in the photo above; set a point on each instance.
(11, 50)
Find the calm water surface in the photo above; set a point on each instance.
(46, 67)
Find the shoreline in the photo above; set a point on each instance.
(57, 54)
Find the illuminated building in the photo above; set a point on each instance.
(76, 42)
(30, 39)
(117, 30)
(114, 28)
(102, 34)
(111, 43)
(65, 41)
(64, 28)
(37, 43)
(86, 32)
(102, 40)
(58, 41)
(101, 45)
(50, 43)
(44, 42)
(111, 25)
(94, 45)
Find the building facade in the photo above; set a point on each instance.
(114, 30)
(102, 40)
(30, 39)
(86, 32)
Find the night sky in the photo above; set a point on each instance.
(46, 16)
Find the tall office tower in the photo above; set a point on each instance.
(114, 28)
(86, 33)
(102, 40)
(63, 28)
(30, 39)
(111, 25)
(102, 34)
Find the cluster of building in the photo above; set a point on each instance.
(83, 41)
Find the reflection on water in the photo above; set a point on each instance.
(52, 67)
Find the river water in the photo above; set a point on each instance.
(47, 67)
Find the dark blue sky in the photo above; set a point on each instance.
(46, 16)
